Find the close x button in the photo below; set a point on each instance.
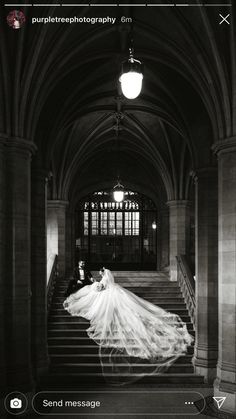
(224, 19)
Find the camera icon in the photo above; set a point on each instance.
(16, 403)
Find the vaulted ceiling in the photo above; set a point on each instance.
(60, 89)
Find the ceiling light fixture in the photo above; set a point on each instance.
(118, 192)
(131, 76)
(154, 225)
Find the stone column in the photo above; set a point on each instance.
(39, 273)
(225, 383)
(70, 241)
(164, 238)
(179, 229)
(18, 269)
(206, 256)
(57, 212)
(2, 263)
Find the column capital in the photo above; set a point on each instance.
(21, 145)
(180, 203)
(225, 146)
(57, 203)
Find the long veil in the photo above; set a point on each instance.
(135, 337)
(108, 278)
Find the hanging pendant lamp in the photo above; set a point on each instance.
(118, 192)
(131, 77)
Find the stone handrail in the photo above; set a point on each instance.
(187, 285)
(51, 283)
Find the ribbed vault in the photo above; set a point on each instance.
(59, 89)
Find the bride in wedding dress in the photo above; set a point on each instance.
(127, 328)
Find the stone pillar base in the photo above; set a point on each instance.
(204, 361)
(208, 373)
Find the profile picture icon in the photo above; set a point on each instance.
(16, 19)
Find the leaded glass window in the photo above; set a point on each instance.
(112, 222)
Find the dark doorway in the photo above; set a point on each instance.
(118, 235)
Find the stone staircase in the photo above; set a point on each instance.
(74, 356)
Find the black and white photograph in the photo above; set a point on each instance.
(118, 209)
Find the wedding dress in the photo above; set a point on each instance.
(130, 331)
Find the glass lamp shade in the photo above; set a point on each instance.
(118, 195)
(131, 78)
(131, 84)
(154, 225)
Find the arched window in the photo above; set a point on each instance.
(111, 218)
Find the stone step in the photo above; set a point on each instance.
(143, 279)
(159, 295)
(179, 309)
(66, 317)
(138, 274)
(63, 313)
(167, 303)
(60, 311)
(65, 322)
(164, 289)
(135, 274)
(82, 348)
(93, 369)
(58, 305)
(131, 284)
(74, 380)
(53, 327)
(129, 274)
(177, 296)
(142, 282)
(63, 353)
(92, 359)
(83, 339)
(74, 342)
(162, 304)
(68, 328)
